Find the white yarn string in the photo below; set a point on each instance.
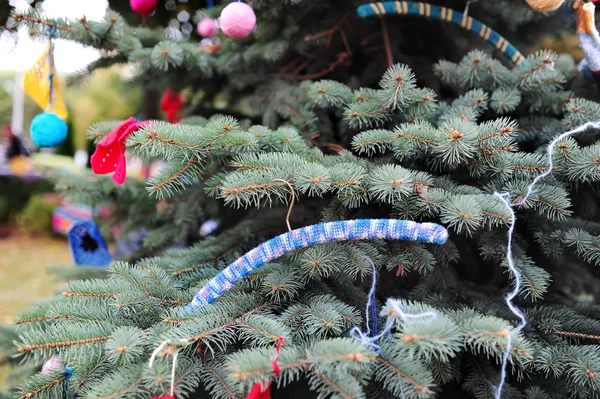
(373, 341)
(505, 198)
(157, 351)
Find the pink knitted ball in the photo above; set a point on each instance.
(237, 20)
(143, 7)
(208, 27)
(51, 364)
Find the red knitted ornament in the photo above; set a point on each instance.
(172, 104)
(256, 392)
(110, 152)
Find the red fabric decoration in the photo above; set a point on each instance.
(256, 391)
(172, 104)
(110, 152)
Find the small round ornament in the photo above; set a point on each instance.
(545, 5)
(208, 27)
(48, 130)
(51, 364)
(143, 7)
(237, 20)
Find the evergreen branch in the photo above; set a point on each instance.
(418, 387)
(572, 334)
(90, 295)
(31, 320)
(123, 391)
(59, 344)
(341, 392)
(175, 175)
(19, 17)
(35, 392)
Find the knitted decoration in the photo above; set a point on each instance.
(87, 245)
(143, 7)
(361, 229)
(237, 20)
(41, 84)
(51, 365)
(48, 130)
(257, 391)
(208, 27)
(110, 152)
(545, 5)
(589, 39)
(172, 104)
(444, 14)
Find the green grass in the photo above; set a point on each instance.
(23, 275)
(24, 278)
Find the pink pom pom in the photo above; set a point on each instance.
(208, 27)
(51, 364)
(143, 7)
(237, 20)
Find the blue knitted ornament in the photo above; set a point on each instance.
(48, 130)
(87, 245)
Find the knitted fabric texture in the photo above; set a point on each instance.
(110, 152)
(41, 84)
(87, 245)
(588, 36)
(444, 14)
(360, 229)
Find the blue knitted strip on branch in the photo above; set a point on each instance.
(360, 229)
(444, 14)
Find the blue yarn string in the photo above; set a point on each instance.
(371, 337)
(51, 35)
(372, 304)
(210, 4)
(505, 198)
(374, 313)
(68, 373)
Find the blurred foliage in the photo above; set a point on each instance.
(36, 217)
(563, 44)
(14, 193)
(105, 96)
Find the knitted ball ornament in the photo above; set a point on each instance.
(208, 27)
(143, 7)
(545, 5)
(51, 365)
(237, 20)
(48, 130)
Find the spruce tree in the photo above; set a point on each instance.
(399, 117)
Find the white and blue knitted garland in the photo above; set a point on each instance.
(360, 229)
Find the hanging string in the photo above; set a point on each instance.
(68, 373)
(466, 12)
(210, 4)
(371, 339)
(505, 198)
(51, 35)
(276, 368)
(173, 368)
(289, 213)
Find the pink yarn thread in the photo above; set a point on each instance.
(237, 20)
